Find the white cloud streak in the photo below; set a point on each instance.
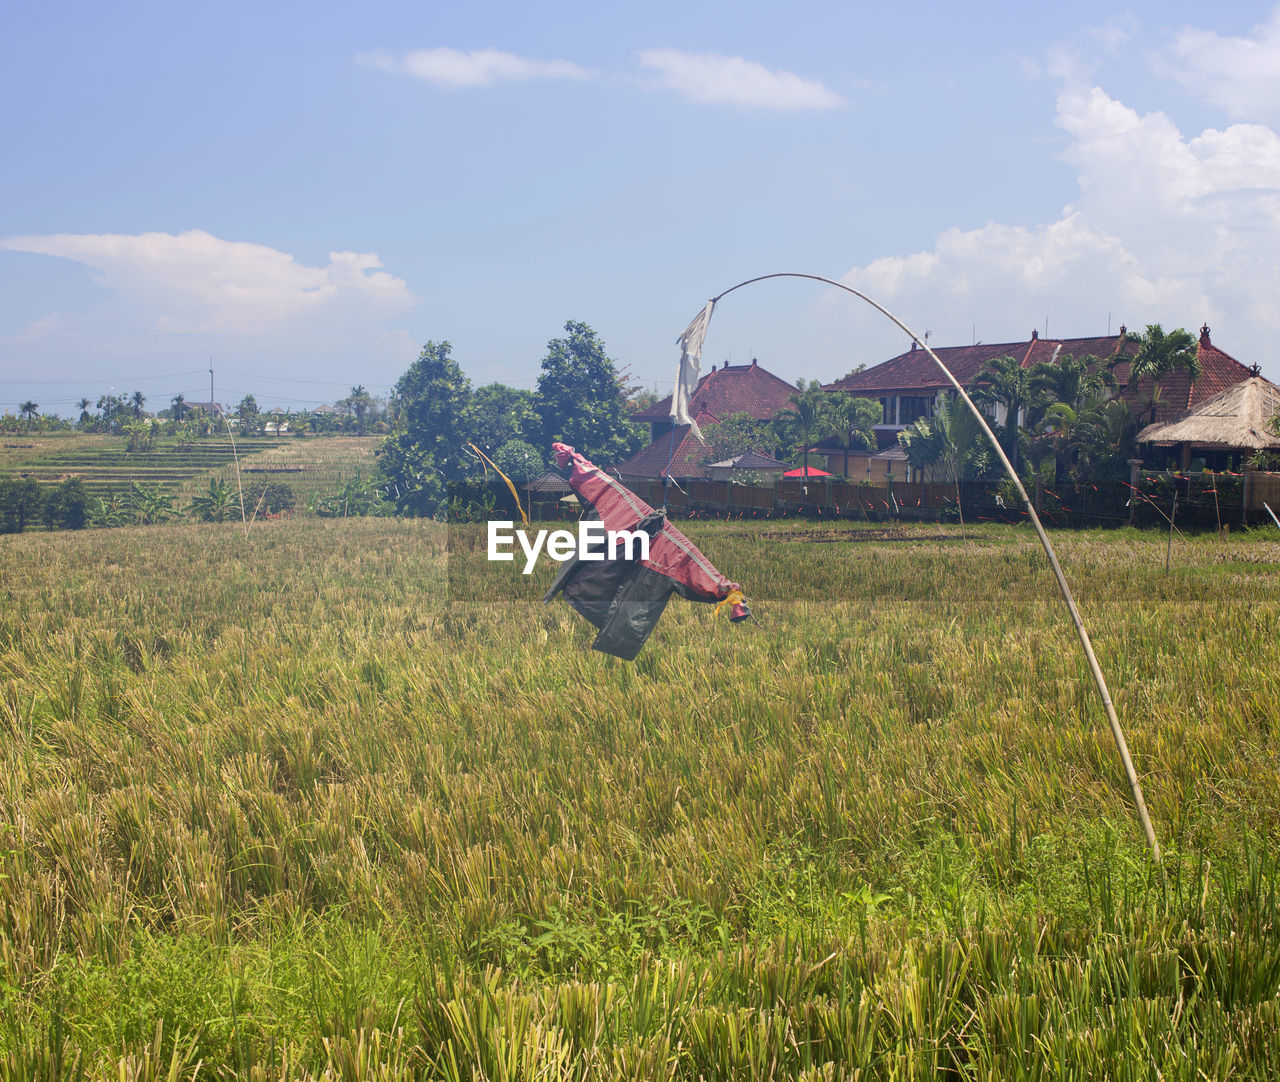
(711, 79)
(1239, 74)
(194, 283)
(479, 67)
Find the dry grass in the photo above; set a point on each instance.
(330, 803)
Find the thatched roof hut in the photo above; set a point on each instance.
(1237, 419)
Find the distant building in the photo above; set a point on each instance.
(752, 462)
(742, 388)
(210, 408)
(910, 385)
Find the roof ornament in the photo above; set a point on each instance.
(1204, 335)
(1035, 334)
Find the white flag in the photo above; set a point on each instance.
(688, 373)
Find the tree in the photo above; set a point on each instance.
(426, 447)
(216, 504)
(499, 414)
(854, 421)
(178, 403)
(582, 400)
(137, 402)
(1002, 381)
(736, 434)
(83, 407)
(141, 435)
(248, 415)
(358, 403)
(28, 409)
(1072, 380)
(1105, 440)
(20, 501)
(1158, 355)
(520, 461)
(73, 504)
(113, 409)
(149, 503)
(950, 442)
(806, 422)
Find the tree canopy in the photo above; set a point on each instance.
(582, 400)
(426, 448)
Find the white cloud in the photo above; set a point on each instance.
(1166, 228)
(38, 329)
(196, 283)
(1115, 31)
(480, 67)
(711, 79)
(1239, 74)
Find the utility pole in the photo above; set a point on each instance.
(210, 390)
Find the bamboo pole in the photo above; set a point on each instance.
(1086, 645)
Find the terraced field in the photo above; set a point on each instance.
(310, 466)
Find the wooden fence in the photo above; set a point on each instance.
(1204, 499)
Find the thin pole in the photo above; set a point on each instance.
(1173, 513)
(239, 484)
(1086, 645)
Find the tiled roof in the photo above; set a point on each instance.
(915, 372)
(550, 482)
(741, 388)
(1218, 371)
(680, 449)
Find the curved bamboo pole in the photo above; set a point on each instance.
(1085, 644)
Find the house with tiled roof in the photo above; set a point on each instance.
(908, 386)
(677, 452)
(731, 388)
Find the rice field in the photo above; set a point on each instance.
(311, 466)
(342, 800)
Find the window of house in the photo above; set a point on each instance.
(913, 408)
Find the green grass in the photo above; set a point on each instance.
(332, 803)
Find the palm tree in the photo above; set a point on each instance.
(1002, 381)
(360, 403)
(83, 407)
(137, 402)
(1158, 355)
(855, 421)
(808, 420)
(28, 409)
(950, 440)
(1105, 440)
(179, 404)
(1072, 380)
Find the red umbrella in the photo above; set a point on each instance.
(813, 472)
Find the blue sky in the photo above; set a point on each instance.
(307, 195)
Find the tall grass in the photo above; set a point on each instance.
(346, 801)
